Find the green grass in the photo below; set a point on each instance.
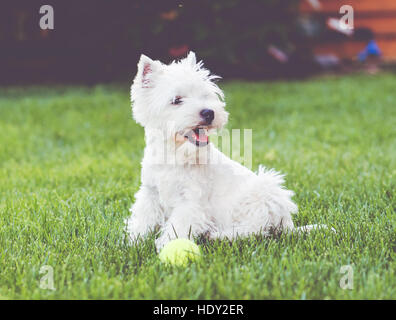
(70, 164)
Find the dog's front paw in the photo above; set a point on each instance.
(161, 242)
(131, 238)
(134, 231)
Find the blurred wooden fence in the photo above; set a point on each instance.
(377, 15)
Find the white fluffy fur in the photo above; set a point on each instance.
(196, 194)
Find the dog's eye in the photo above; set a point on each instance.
(177, 100)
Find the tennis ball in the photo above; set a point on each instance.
(179, 252)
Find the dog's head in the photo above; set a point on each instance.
(180, 99)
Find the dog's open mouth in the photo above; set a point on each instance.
(198, 136)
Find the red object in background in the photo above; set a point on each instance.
(44, 33)
(180, 51)
(169, 15)
(278, 54)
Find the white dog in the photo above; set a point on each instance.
(188, 186)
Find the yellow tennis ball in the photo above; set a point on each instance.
(179, 252)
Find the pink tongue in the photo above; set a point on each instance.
(201, 137)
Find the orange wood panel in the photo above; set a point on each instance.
(350, 49)
(381, 25)
(358, 5)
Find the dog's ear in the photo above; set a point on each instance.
(146, 69)
(191, 58)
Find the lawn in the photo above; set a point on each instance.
(70, 164)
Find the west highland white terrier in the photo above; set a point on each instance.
(188, 187)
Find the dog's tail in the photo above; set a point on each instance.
(310, 227)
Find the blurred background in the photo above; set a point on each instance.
(70, 152)
(100, 41)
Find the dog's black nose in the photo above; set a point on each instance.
(207, 115)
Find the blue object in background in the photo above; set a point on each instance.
(371, 49)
